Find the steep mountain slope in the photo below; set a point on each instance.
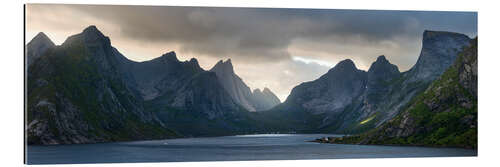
(332, 92)
(202, 108)
(76, 95)
(316, 105)
(380, 74)
(162, 75)
(444, 115)
(378, 89)
(187, 99)
(85, 91)
(439, 51)
(233, 84)
(240, 92)
(37, 47)
(348, 100)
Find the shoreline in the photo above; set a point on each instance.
(182, 137)
(331, 140)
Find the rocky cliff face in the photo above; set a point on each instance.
(240, 92)
(162, 75)
(444, 115)
(76, 95)
(85, 91)
(380, 75)
(332, 92)
(439, 51)
(352, 100)
(233, 84)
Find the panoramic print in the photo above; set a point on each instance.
(125, 84)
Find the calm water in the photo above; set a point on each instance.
(228, 148)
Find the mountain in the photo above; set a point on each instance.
(332, 92)
(264, 100)
(439, 50)
(445, 114)
(233, 84)
(76, 95)
(240, 92)
(349, 100)
(162, 75)
(86, 91)
(380, 73)
(37, 47)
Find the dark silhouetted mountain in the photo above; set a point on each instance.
(85, 91)
(76, 95)
(37, 47)
(162, 75)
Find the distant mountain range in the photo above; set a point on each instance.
(85, 91)
(349, 100)
(240, 92)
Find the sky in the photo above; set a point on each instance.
(269, 47)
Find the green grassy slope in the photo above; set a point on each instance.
(444, 115)
(73, 101)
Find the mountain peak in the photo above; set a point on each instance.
(90, 35)
(265, 99)
(41, 38)
(224, 66)
(170, 56)
(346, 64)
(383, 64)
(381, 58)
(92, 29)
(439, 50)
(256, 91)
(267, 90)
(193, 60)
(382, 68)
(37, 47)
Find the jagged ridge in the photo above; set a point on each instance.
(240, 92)
(348, 100)
(444, 115)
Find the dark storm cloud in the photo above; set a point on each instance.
(265, 34)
